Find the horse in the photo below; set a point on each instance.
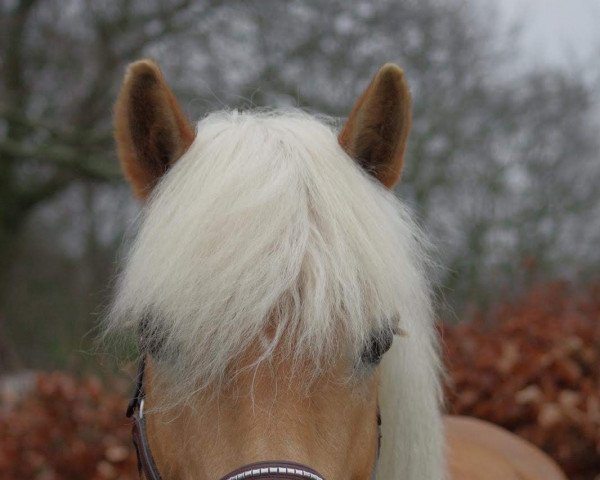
(279, 293)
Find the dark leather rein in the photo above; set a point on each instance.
(281, 470)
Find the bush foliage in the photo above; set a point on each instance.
(531, 367)
(534, 368)
(67, 429)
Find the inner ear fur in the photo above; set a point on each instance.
(376, 132)
(151, 130)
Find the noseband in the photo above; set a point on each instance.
(280, 470)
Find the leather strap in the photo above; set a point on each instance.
(271, 470)
(138, 394)
(146, 463)
(135, 410)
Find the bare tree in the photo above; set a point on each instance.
(60, 64)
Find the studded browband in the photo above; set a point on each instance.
(280, 470)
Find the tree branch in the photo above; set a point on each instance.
(29, 199)
(95, 167)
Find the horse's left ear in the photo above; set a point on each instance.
(376, 132)
(151, 129)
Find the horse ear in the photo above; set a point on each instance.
(376, 132)
(151, 129)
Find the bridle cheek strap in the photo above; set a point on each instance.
(142, 447)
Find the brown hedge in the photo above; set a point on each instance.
(534, 368)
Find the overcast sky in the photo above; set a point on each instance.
(556, 31)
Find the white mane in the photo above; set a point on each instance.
(266, 225)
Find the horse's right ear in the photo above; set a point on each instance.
(151, 129)
(376, 132)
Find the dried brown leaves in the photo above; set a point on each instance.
(536, 371)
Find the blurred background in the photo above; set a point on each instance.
(503, 167)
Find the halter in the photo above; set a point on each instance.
(280, 470)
